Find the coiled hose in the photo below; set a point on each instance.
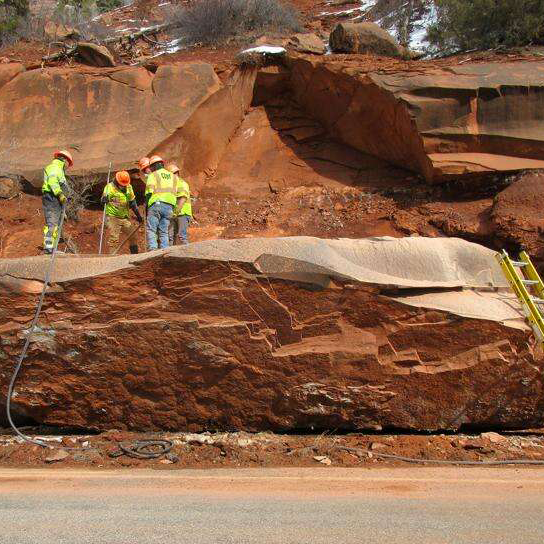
(144, 449)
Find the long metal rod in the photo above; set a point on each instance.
(103, 217)
(30, 331)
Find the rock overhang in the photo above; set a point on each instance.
(441, 122)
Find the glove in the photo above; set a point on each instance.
(62, 198)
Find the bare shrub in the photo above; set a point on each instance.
(214, 22)
(32, 27)
(79, 192)
(70, 243)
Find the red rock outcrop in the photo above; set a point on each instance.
(517, 214)
(117, 115)
(440, 122)
(294, 333)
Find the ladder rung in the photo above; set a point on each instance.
(530, 282)
(520, 264)
(537, 300)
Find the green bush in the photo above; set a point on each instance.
(12, 12)
(17, 7)
(108, 5)
(486, 24)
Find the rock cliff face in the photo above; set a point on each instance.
(440, 122)
(116, 115)
(281, 334)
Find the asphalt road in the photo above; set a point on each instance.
(261, 506)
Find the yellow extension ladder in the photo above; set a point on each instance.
(528, 287)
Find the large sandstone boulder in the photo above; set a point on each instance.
(518, 214)
(282, 334)
(440, 122)
(95, 55)
(9, 188)
(116, 115)
(308, 43)
(364, 38)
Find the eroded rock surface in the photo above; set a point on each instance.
(116, 115)
(440, 122)
(293, 333)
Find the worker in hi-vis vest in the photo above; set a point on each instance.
(53, 197)
(118, 196)
(182, 212)
(161, 199)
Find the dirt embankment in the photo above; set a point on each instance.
(238, 450)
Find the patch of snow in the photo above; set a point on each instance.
(363, 8)
(174, 46)
(266, 49)
(418, 39)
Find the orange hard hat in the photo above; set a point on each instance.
(155, 159)
(123, 178)
(173, 168)
(66, 154)
(143, 163)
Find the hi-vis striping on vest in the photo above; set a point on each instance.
(161, 184)
(523, 279)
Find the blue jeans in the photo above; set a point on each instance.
(178, 229)
(158, 220)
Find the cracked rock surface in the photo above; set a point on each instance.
(273, 334)
(116, 115)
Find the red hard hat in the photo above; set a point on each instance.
(66, 154)
(173, 168)
(123, 178)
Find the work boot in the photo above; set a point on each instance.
(133, 249)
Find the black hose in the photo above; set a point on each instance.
(449, 462)
(30, 331)
(144, 449)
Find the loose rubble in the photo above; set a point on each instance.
(209, 450)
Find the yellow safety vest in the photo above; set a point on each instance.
(117, 200)
(162, 187)
(184, 191)
(53, 176)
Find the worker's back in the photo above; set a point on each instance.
(161, 186)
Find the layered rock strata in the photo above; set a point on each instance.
(440, 122)
(282, 334)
